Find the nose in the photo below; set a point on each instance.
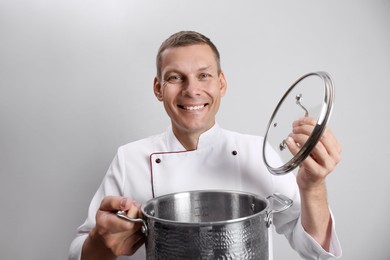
(191, 87)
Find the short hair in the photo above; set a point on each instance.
(182, 39)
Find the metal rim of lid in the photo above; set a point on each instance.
(318, 130)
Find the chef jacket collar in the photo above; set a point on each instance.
(205, 140)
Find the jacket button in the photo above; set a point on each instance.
(158, 160)
(234, 152)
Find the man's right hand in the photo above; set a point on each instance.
(113, 236)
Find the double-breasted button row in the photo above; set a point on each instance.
(158, 160)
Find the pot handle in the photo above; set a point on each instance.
(122, 215)
(283, 200)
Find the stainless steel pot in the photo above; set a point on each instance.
(208, 225)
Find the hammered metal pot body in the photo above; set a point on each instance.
(207, 225)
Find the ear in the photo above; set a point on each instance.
(157, 88)
(223, 83)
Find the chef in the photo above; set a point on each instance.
(195, 153)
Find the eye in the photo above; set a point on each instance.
(204, 76)
(174, 78)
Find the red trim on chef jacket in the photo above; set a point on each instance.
(151, 165)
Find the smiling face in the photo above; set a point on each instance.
(191, 88)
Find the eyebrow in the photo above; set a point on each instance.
(175, 70)
(204, 68)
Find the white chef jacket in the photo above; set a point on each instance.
(225, 160)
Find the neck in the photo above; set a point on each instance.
(189, 141)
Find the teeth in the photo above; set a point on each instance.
(193, 107)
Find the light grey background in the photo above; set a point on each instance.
(76, 83)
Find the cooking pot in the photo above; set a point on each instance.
(208, 224)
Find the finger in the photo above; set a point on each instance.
(319, 153)
(126, 243)
(114, 203)
(303, 129)
(305, 121)
(136, 237)
(295, 143)
(306, 125)
(320, 163)
(108, 223)
(134, 210)
(292, 145)
(106, 217)
(298, 139)
(331, 144)
(137, 241)
(303, 126)
(309, 164)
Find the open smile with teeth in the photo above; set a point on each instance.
(193, 107)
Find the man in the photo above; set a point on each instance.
(196, 154)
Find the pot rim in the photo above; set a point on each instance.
(194, 224)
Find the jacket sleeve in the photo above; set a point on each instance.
(112, 184)
(308, 248)
(289, 223)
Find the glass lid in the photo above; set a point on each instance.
(311, 95)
